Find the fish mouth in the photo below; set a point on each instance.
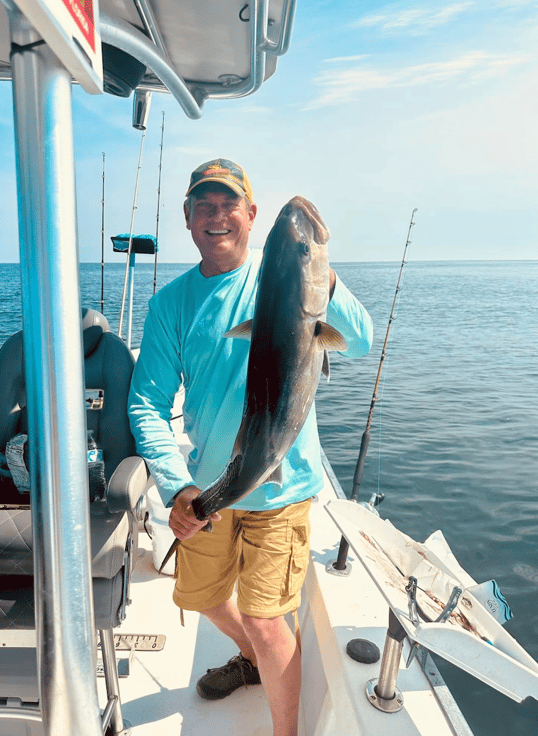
(304, 213)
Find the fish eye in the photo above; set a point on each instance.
(304, 247)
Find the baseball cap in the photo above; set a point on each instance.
(225, 172)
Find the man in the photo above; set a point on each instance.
(261, 543)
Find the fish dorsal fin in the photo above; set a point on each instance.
(329, 338)
(326, 368)
(275, 477)
(242, 331)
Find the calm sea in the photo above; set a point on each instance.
(454, 437)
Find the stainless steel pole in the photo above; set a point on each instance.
(130, 248)
(382, 693)
(54, 383)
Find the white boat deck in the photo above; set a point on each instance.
(160, 691)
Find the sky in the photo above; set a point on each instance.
(377, 109)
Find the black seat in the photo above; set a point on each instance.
(114, 524)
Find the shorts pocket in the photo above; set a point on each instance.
(298, 561)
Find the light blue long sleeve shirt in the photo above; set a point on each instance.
(184, 343)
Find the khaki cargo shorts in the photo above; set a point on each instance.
(265, 552)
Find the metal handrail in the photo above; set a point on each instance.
(25, 713)
(260, 45)
(145, 11)
(125, 37)
(280, 47)
(258, 21)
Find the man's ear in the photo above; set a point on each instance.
(187, 214)
(252, 214)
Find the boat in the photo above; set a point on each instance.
(60, 580)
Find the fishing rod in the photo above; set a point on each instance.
(103, 242)
(158, 209)
(130, 248)
(376, 499)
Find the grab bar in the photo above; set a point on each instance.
(260, 45)
(280, 47)
(122, 35)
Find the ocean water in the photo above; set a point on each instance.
(454, 436)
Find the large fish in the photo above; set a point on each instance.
(289, 343)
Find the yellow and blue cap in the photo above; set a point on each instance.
(224, 171)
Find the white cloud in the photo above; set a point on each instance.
(345, 85)
(338, 59)
(418, 20)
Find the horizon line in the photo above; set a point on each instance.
(420, 260)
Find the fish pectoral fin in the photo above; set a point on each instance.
(329, 338)
(275, 477)
(242, 331)
(326, 368)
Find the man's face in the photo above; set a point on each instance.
(220, 223)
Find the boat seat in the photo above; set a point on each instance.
(115, 486)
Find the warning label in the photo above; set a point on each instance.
(82, 13)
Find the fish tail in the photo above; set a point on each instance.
(220, 494)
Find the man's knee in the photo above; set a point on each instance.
(262, 631)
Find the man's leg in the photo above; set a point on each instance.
(275, 554)
(279, 663)
(227, 619)
(271, 646)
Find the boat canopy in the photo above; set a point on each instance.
(195, 49)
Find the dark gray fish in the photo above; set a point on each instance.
(289, 343)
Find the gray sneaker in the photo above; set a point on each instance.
(219, 682)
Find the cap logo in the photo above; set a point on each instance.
(216, 170)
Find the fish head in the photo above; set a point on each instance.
(297, 246)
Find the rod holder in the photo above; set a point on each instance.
(141, 107)
(382, 692)
(344, 570)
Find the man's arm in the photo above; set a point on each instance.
(155, 382)
(350, 318)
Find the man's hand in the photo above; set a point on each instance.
(182, 521)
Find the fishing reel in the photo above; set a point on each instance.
(374, 500)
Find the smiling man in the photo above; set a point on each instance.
(261, 543)
(219, 212)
